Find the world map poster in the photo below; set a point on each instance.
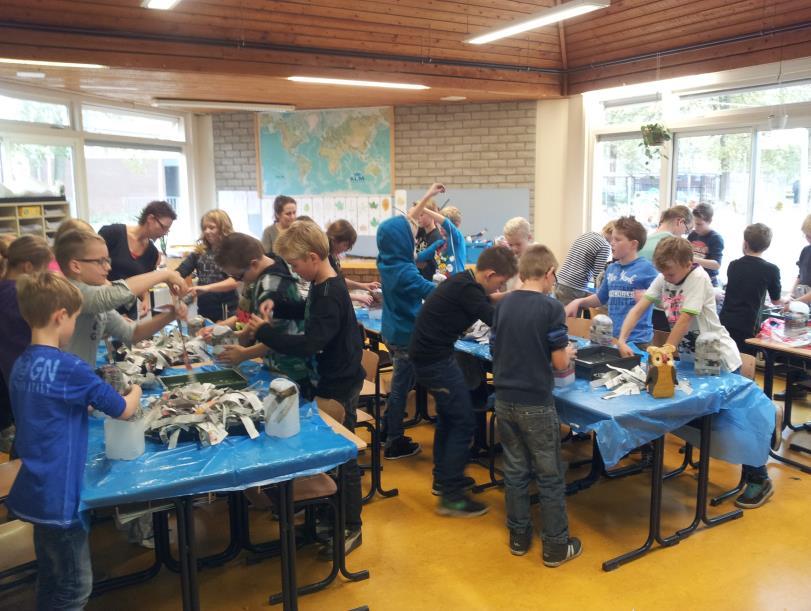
(327, 152)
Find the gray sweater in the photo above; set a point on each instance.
(98, 318)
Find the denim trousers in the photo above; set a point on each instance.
(402, 381)
(530, 437)
(64, 572)
(454, 425)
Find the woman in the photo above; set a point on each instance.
(216, 293)
(132, 251)
(284, 211)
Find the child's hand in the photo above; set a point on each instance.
(135, 391)
(435, 189)
(624, 349)
(181, 311)
(371, 286)
(571, 351)
(266, 309)
(232, 355)
(177, 285)
(144, 307)
(254, 324)
(205, 333)
(364, 299)
(572, 308)
(198, 290)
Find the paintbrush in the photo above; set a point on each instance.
(192, 375)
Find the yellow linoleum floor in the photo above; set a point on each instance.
(419, 560)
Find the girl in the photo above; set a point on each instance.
(284, 211)
(342, 237)
(26, 255)
(216, 292)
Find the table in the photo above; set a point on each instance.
(625, 423)
(771, 350)
(233, 465)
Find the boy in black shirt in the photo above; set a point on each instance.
(708, 245)
(331, 334)
(455, 305)
(748, 280)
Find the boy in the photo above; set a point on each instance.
(427, 234)
(527, 339)
(586, 259)
(50, 391)
(331, 335)
(449, 253)
(685, 293)
(708, 245)
(748, 280)
(84, 260)
(455, 305)
(625, 281)
(243, 258)
(518, 236)
(404, 288)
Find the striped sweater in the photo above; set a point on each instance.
(585, 260)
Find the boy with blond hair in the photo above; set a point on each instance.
(450, 253)
(331, 335)
(427, 234)
(529, 337)
(517, 236)
(50, 391)
(83, 258)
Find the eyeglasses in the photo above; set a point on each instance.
(101, 261)
(162, 226)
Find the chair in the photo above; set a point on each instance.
(579, 327)
(370, 396)
(16, 538)
(8, 473)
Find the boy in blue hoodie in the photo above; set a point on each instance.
(404, 288)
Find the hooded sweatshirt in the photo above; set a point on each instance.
(404, 288)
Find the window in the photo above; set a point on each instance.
(32, 111)
(742, 99)
(102, 120)
(626, 183)
(35, 169)
(121, 180)
(638, 111)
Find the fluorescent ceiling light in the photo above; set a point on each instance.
(25, 74)
(341, 81)
(215, 105)
(545, 17)
(161, 5)
(36, 62)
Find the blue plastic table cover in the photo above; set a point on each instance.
(370, 324)
(238, 462)
(740, 432)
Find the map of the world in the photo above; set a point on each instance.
(326, 152)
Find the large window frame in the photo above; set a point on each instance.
(75, 137)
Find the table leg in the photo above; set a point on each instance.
(287, 534)
(186, 547)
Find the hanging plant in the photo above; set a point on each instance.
(654, 135)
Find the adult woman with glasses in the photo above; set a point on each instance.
(132, 250)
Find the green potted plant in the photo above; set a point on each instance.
(654, 135)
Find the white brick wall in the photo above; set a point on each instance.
(468, 146)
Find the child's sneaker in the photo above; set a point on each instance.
(402, 447)
(353, 540)
(555, 554)
(467, 484)
(520, 541)
(755, 494)
(463, 507)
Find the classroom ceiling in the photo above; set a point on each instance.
(242, 50)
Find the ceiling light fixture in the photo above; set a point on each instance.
(350, 82)
(215, 105)
(453, 98)
(37, 62)
(160, 5)
(25, 74)
(553, 14)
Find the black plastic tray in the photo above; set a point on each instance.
(222, 378)
(594, 360)
(234, 429)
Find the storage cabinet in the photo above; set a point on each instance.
(33, 216)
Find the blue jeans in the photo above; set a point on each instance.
(454, 425)
(402, 381)
(530, 437)
(65, 575)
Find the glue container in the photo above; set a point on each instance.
(123, 439)
(281, 409)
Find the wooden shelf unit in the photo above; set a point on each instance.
(52, 211)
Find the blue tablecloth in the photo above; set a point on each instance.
(741, 430)
(235, 464)
(370, 324)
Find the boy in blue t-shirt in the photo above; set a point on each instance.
(625, 281)
(50, 391)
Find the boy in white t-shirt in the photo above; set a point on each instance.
(685, 293)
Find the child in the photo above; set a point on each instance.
(518, 236)
(216, 292)
(450, 253)
(625, 281)
(708, 245)
(748, 280)
(50, 392)
(804, 265)
(25, 255)
(243, 258)
(85, 262)
(586, 259)
(427, 234)
(64, 227)
(284, 213)
(527, 339)
(676, 220)
(455, 305)
(342, 237)
(331, 335)
(684, 291)
(404, 288)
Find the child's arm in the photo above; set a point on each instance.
(427, 253)
(680, 329)
(434, 189)
(147, 328)
(321, 326)
(233, 355)
(562, 357)
(223, 286)
(132, 400)
(629, 323)
(575, 305)
(354, 285)
(715, 250)
(707, 263)
(98, 299)
(140, 284)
